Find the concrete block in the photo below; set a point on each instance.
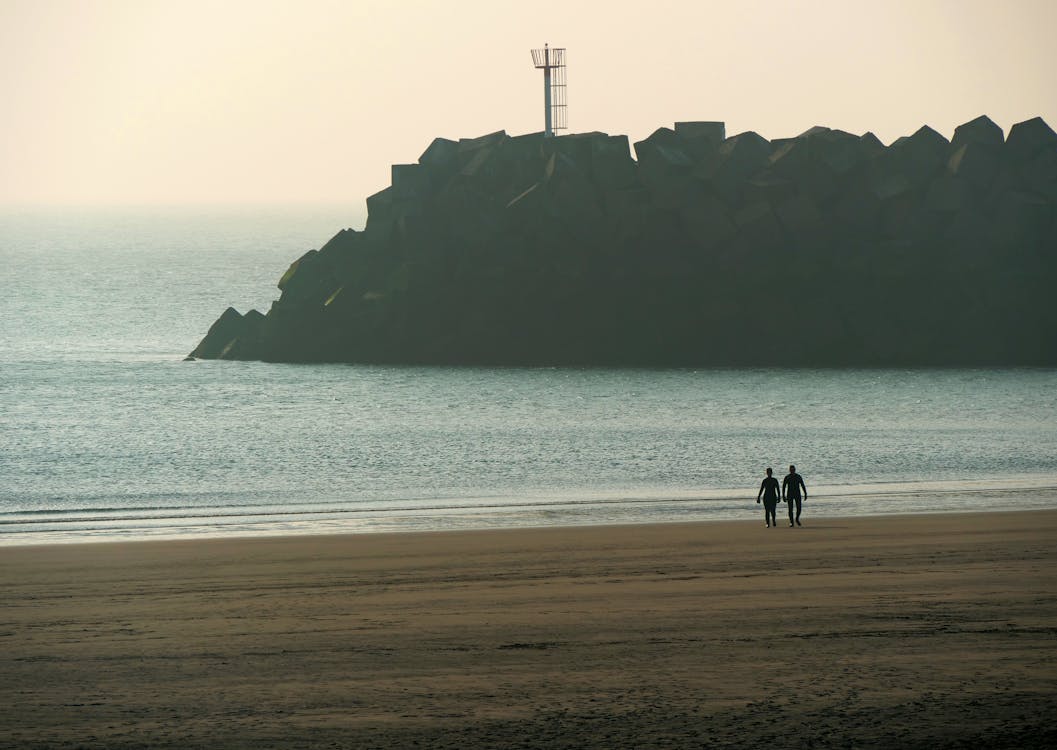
(440, 160)
(308, 281)
(627, 209)
(976, 163)
(708, 223)
(871, 144)
(665, 168)
(343, 251)
(471, 215)
(702, 139)
(790, 157)
(800, 218)
(467, 146)
(919, 156)
(1021, 220)
(743, 155)
(480, 159)
(948, 194)
(837, 150)
(523, 158)
(530, 205)
(664, 149)
(1029, 139)
(410, 181)
(299, 264)
(967, 235)
(887, 186)
(611, 162)
(380, 208)
(737, 159)
(342, 243)
(815, 130)
(572, 192)
(716, 132)
(226, 329)
(898, 215)
(769, 187)
(476, 163)
(758, 227)
(1039, 174)
(981, 131)
(605, 159)
(576, 146)
(800, 161)
(855, 214)
(246, 345)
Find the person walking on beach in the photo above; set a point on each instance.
(770, 493)
(791, 486)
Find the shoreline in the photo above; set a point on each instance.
(333, 537)
(930, 630)
(866, 500)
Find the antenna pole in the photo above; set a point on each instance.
(548, 130)
(552, 61)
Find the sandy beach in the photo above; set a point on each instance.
(917, 631)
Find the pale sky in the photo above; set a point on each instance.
(271, 101)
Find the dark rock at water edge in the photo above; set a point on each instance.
(825, 249)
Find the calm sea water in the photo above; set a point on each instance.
(105, 433)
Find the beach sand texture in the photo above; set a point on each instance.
(933, 631)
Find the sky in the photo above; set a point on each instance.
(250, 102)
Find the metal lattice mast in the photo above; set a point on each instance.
(552, 61)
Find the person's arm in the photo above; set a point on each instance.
(760, 493)
(785, 486)
(803, 487)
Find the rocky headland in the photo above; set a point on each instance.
(826, 249)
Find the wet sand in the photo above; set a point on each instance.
(917, 631)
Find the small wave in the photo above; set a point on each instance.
(87, 524)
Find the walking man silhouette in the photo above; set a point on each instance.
(791, 486)
(770, 493)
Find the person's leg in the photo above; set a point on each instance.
(790, 502)
(798, 511)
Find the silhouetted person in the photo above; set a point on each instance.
(791, 486)
(771, 494)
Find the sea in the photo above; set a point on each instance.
(107, 434)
